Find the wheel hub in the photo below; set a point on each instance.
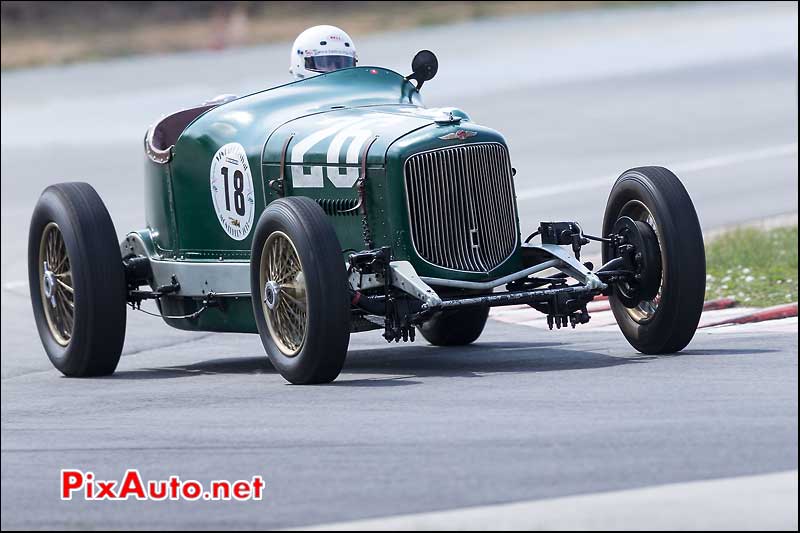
(642, 255)
(49, 284)
(272, 294)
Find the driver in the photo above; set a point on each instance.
(317, 50)
(321, 49)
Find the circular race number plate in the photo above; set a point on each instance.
(232, 190)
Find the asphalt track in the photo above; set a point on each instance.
(709, 90)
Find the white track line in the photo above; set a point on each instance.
(765, 502)
(686, 167)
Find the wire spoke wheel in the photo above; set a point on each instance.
(283, 293)
(646, 309)
(56, 286)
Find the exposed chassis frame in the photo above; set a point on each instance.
(405, 279)
(373, 270)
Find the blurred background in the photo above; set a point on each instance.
(41, 33)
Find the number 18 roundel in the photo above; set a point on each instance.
(232, 190)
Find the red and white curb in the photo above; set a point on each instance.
(770, 313)
(716, 313)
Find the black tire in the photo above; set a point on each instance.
(670, 326)
(96, 275)
(321, 355)
(455, 328)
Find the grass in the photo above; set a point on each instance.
(755, 267)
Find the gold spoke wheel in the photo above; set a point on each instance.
(56, 285)
(283, 293)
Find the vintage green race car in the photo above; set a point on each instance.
(339, 204)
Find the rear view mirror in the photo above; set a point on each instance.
(424, 67)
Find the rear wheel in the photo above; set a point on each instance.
(664, 318)
(77, 280)
(299, 291)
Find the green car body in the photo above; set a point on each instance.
(310, 138)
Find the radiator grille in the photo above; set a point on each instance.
(462, 207)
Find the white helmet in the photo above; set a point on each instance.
(321, 49)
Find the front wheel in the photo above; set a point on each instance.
(298, 283)
(664, 318)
